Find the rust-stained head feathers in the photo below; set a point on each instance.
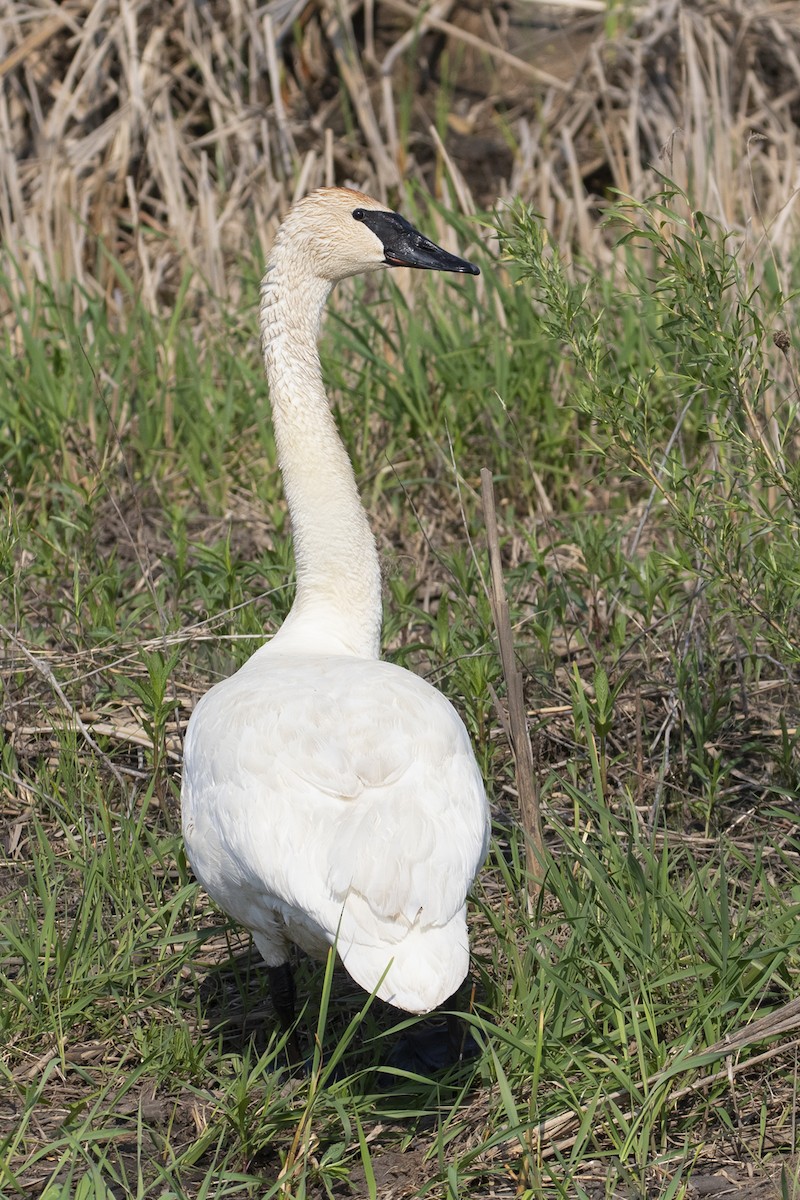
(336, 232)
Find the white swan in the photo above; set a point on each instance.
(329, 797)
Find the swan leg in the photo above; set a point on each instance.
(283, 996)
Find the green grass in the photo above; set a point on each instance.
(641, 427)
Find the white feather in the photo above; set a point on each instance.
(330, 797)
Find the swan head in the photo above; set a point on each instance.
(335, 232)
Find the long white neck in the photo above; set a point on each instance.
(338, 601)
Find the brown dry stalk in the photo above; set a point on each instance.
(340, 31)
(471, 39)
(516, 724)
(36, 38)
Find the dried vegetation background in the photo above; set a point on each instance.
(173, 131)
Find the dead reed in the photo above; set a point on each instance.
(175, 134)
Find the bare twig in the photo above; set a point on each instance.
(520, 735)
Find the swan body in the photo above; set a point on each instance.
(330, 797)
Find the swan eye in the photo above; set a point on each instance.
(358, 214)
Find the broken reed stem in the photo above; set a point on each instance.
(517, 724)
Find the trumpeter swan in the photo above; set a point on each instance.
(330, 797)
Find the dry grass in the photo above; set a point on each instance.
(175, 132)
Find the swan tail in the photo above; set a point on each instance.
(417, 973)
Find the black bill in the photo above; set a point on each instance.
(405, 246)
